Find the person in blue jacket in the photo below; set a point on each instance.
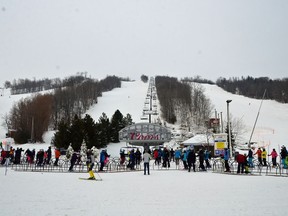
(184, 159)
(103, 156)
(226, 159)
(177, 156)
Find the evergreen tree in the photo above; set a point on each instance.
(103, 131)
(127, 120)
(77, 133)
(89, 127)
(117, 124)
(62, 138)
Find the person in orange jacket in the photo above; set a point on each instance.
(57, 156)
(259, 155)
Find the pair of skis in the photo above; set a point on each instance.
(90, 179)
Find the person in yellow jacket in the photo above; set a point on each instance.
(90, 164)
(264, 156)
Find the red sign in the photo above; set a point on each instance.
(142, 136)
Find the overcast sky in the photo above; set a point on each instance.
(128, 38)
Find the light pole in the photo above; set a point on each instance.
(229, 129)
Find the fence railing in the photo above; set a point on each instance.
(114, 165)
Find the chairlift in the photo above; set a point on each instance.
(144, 118)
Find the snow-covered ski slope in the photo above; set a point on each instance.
(163, 192)
(270, 128)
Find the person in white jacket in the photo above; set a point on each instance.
(146, 159)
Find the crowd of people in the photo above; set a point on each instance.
(162, 157)
(18, 156)
(246, 161)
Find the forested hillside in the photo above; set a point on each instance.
(255, 87)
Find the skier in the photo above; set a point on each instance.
(201, 159)
(191, 159)
(49, 155)
(122, 157)
(172, 154)
(283, 154)
(226, 159)
(241, 160)
(259, 156)
(103, 157)
(264, 155)
(250, 158)
(165, 155)
(57, 156)
(155, 154)
(90, 164)
(138, 157)
(132, 160)
(184, 159)
(274, 155)
(40, 157)
(207, 155)
(177, 156)
(73, 160)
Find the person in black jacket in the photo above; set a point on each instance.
(40, 157)
(283, 154)
(201, 159)
(73, 161)
(191, 159)
(49, 155)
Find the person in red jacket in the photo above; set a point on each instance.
(241, 160)
(57, 156)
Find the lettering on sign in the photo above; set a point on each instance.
(142, 136)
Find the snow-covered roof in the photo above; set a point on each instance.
(199, 139)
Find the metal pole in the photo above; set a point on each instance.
(249, 143)
(229, 129)
(221, 122)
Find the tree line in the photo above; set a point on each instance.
(182, 101)
(34, 115)
(276, 89)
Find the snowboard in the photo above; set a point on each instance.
(90, 179)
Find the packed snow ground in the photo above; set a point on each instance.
(164, 192)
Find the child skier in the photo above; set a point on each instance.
(90, 164)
